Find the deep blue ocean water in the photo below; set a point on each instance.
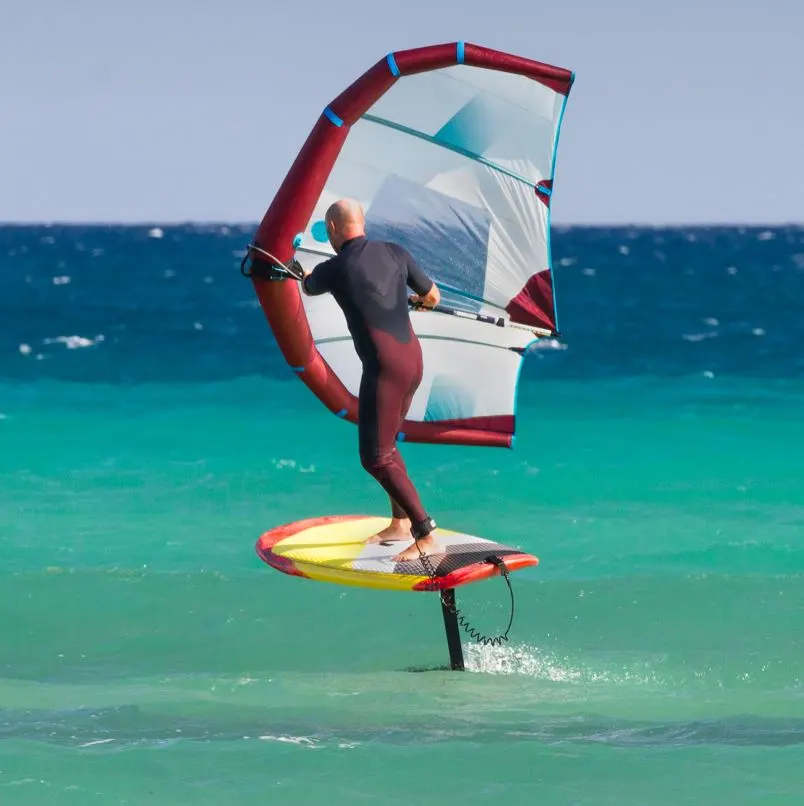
(150, 431)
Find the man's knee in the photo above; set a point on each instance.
(377, 464)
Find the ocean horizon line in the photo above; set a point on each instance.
(254, 224)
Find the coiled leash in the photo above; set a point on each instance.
(496, 640)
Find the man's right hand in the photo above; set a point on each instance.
(428, 300)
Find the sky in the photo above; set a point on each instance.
(684, 112)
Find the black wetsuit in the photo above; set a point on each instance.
(369, 281)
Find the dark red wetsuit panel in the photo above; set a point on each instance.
(369, 281)
(383, 404)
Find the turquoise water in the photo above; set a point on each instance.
(150, 657)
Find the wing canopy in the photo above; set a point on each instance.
(451, 151)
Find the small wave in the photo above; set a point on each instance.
(75, 342)
(63, 280)
(281, 464)
(698, 336)
(301, 741)
(26, 349)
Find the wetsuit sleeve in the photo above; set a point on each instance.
(319, 280)
(417, 279)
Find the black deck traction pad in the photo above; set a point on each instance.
(455, 558)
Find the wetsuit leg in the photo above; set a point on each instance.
(385, 397)
(396, 510)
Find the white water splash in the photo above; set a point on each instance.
(527, 661)
(520, 660)
(547, 344)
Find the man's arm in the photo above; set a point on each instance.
(427, 292)
(317, 281)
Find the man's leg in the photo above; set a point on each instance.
(403, 529)
(378, 423)
(399, 517)
(421, 530)
(398, 529)
(368, 439)
(383, 404)
(400, 526)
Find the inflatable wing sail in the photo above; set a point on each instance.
(451, 151)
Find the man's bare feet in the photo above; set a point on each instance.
(428, 545)
(398, 529)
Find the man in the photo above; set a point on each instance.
(369, 281)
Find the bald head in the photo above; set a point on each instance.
(344, 220)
